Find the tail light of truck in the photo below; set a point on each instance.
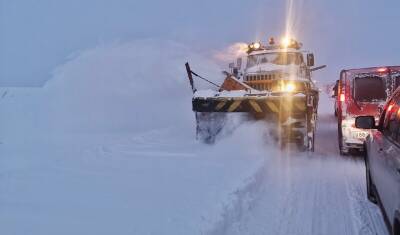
(342, 97)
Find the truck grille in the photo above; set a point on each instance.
(263, 77)
(263, 82)
(270, 82)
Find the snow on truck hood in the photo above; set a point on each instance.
(238, 93)
(213, 93)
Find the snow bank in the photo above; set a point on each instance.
(107, 146)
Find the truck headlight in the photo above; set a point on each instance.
(289, 87)
(285, 42)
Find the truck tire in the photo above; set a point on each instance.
(311, 142)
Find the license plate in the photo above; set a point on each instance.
(360, 135)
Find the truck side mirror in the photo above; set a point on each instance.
(234, 69)
(335, 89)
(310, 60)
(235, 72)
(365, 122)
(239, 63)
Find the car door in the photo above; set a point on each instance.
(390, 161)
(376, 161)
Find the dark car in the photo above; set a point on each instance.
(383, 160)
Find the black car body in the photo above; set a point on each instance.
(383, 161)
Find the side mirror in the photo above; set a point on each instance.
(310, 60)
(365, 122)
(239, 63)
(335, 89)
(235, 72)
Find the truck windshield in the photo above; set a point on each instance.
(279, 58)
(369, 89)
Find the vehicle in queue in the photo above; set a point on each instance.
(382, 160)
(362, 92)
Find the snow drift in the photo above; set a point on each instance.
(108, 146)
(125, 87)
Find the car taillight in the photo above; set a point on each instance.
(390, 108)
(382, 70)
(342, 97)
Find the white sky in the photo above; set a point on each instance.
(38, 35)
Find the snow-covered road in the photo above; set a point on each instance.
(317, 194)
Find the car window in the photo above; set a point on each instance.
(397, 114)
(396, 81)
(398, 129)
(369, 89)
(391, 123)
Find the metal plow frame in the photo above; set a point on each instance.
(265, 104)
(297, 106)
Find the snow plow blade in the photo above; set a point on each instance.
(261, 105)
(289, 105)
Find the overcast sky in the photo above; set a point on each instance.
(38, 35)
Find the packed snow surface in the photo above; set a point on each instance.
(108, 147)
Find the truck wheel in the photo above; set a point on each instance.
(311, 142)
(370, 185)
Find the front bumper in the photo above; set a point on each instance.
(252, 104)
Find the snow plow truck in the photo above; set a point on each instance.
(271, 82)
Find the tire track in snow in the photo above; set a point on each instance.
(368, 219)
(316, 194)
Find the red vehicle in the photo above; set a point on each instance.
(362, 92)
